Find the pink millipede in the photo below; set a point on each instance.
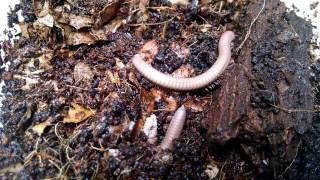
(192, 83)
(175, 128)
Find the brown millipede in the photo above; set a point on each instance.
(185, 84)
(175, 128)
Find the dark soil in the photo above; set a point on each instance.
(256, 122)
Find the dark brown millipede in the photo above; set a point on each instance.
(192, 83)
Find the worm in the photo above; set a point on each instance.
(192, 83)
(175, 128)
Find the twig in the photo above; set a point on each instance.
(250, 27)
(295, 156)
(295, 110)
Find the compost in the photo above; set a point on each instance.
(76, 107)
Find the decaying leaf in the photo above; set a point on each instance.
(113, 77)
(77, 114)
(80, 22)
(77, 38)
(82, 72)
(107, 13)
(47, 20)
(39, 128)
(44, 60)
(24, 30)
(113, 26)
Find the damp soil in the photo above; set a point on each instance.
(75, 106)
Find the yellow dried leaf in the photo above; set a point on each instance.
(78, 114)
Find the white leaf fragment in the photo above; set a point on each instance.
(150, 128)
(47, 20)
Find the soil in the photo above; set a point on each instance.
(75, 106)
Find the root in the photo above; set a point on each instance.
(295, 156)
(250, 27)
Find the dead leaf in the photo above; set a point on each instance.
(77, 114)
(24, 30)
(80, 22)
(107, 13)
(39, 128)
(82, 72)
(113, 26)
(47, 20)
(77, 38)
(44, 60)
(113, 77)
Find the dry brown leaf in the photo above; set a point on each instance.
(80, 22)
(39, 128)
(99, 34)
(77, 38)
(78, 114)
(82, 72)
(107, 13)
(113, 26)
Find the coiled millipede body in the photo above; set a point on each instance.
(192, 83)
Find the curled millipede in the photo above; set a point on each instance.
(175, 128)
(185, 84)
